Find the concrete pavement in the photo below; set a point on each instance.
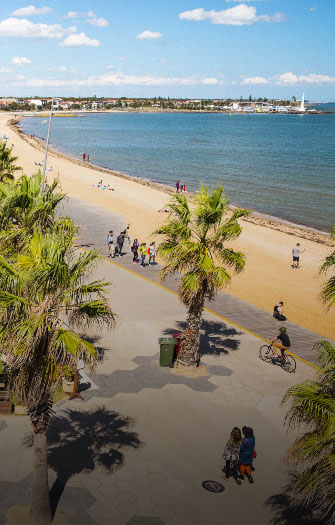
(138, 448)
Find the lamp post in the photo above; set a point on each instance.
(46, 149)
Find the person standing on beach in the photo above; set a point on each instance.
(84, 156)
(177, 186)
(88, 158)
(120, 241)
(182, 186)
(152, 253)
(143, 251)
(296, 251)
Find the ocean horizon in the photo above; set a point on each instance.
(278, 165)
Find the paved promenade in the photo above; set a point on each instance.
(96, 222)
(137, 450)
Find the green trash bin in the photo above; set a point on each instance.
(167, 349)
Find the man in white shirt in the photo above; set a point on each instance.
(296, 251)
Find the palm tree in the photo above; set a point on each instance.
(328, 291)
(7, 163)
(194, 245)
(312, 407)
(23, 207)
(44, 299)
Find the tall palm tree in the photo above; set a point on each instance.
(195, 245)
(312, 411)
(23, 207)
(7, 163)
(328, 291)
(45, 297)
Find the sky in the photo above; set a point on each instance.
(184, 48)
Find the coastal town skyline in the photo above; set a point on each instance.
(226, 49)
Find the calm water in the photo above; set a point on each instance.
(281, 165)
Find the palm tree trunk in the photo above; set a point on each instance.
(40, 501)
(190, 339)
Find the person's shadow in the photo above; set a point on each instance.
(79, 441)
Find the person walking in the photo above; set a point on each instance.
(278, 311)
(120, 241)
(177, 186)
(134, 249)
(84, 156)
(110, 244)
(88, 158)
(231, 455)
(143, 251)
(296, 251)
(247, 453)
(182, 186)
(152, 254)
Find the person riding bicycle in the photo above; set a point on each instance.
(281, 342)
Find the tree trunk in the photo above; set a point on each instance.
(190, 339)
(40, 501)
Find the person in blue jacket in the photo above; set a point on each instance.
(247, 453)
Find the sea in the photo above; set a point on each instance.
(282, 166)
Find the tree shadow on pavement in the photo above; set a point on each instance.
(215, 338)
(79, 441)
(286, 512)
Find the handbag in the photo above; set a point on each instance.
(254, 454)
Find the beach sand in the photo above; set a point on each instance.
(268, 276)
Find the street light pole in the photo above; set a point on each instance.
(46, 149)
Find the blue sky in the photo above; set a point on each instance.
(186, 48)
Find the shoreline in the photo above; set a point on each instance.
(255, 217)
(267, 277)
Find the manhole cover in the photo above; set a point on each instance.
(212, 486)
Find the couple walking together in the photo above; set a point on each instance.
(239, 454)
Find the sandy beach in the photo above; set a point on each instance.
(268, 276)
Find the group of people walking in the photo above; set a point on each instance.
(239, 454)
(115, 247)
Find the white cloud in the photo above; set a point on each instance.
(31, 10)
(62, 68)
(22, 28)
(239, 15)
(5, 70)
(254, 81)
(312, 78)
(123, 58)
(118, 79)
(210, 81)
(109, 66)
(80, 39)
(149, 35)
(20, 61)
(98, 22)
(20, 77)
(313, 8)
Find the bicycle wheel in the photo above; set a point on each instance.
(289, 364)
(266, 353)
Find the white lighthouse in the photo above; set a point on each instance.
(302, 104)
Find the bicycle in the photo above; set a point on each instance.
(287, 362)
